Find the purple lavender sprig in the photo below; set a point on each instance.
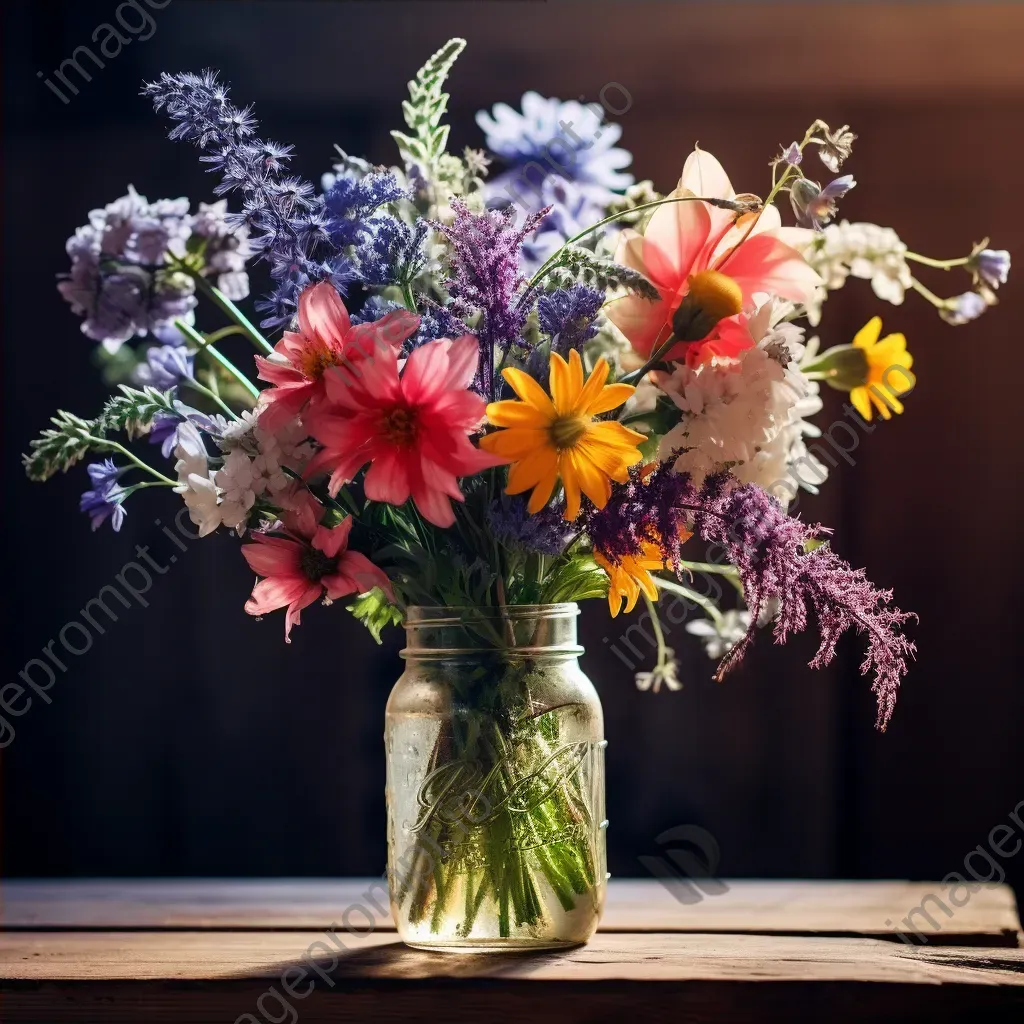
(774, 556)
(485, 267)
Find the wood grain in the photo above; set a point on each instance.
(634, 905)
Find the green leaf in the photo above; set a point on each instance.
(56, 451)
(424, 109)
(581, 266)
(375, 611)
(579, 578)
(133, 410)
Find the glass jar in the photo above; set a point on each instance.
(495, 782)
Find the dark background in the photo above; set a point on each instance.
(190, 740)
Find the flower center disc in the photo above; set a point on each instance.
(315, 564)
(399, 426)
(717, 294)
(315, 359)
(566, 431)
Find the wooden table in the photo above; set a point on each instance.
(280, 951)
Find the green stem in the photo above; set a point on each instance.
(224, 332)
(204, 345)
(105, 444)
(142, 485)
(407, 297)
(723, 570)
(227, 306)
(691, 595)
(204, 390)
(934, 299)
(961, 261)
(551, 261)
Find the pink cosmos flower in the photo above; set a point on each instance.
(412, 428)
(309, 560)
(326, 338)
(718, 261)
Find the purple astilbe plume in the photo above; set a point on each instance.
(770, 550)
(485, 270)
(547, 532)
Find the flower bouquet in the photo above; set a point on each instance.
(495, 395)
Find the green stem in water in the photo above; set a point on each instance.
(204, 345)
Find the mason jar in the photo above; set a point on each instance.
(495, 782)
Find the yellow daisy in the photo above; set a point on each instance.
(631, 576)
(888, 371)
(547, 438)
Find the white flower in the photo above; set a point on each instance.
(666, 671)
(719, 637)
(195, 481)
(866, 251)
(266, 456)
(748, 414)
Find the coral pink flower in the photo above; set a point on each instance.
(326, 338)
(309, 560)
(712, 259)
(413, 428)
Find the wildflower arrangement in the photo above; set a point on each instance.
(475, 387)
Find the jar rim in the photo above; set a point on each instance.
(456, 615)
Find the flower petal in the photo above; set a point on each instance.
(323, 315)
(529, 390)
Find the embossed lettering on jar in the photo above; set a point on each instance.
(495, 784)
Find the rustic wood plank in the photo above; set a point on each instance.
(634, 905)
(205, 956)
(204, 976)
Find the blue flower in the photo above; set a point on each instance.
(569, 316)
(104, 500)
(570, 140)
(546, 532)
(571, 211)
(814, 206)
(393, 252)
(165, 367)
(962, 309)
(991, 266)
(166, 426)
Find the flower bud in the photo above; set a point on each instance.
(843, 367)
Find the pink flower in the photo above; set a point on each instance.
(309, 560)
(412, 428)
(326, 338)
(707, 265)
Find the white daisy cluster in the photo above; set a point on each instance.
(748, 414)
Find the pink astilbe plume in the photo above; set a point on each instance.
(769, 548)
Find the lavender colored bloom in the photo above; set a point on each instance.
(437, 322)
(962, 309)
(393, 252)
(546, 532)
(793, 156)
(991, 266)
(104, 500)
(571, 140)
(119, 281)
(814, 206)
(226, 248)
(569, 316)
(275, 207)
(571, 211)
(165, 427)
(165, 367)
(768, 548)
(485, 262)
